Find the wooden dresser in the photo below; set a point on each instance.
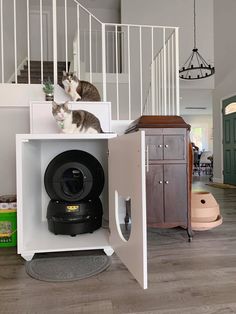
(168, 179)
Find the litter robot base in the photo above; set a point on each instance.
(74, 218)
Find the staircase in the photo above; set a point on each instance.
(135, 67)
(35, 72)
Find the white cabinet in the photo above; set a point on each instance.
(123, 162)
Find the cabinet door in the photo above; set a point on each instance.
(155, 210)
(155, 147)
(175, 193)
(174, 147)
(126, 169)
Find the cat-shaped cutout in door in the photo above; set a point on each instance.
(75, 121)
(79, 90)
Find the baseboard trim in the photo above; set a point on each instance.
(217, 180)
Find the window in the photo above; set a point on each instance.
(199, 136)
(231, 108)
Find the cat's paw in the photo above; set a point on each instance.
(77, 97)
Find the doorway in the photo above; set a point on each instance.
(229, 140)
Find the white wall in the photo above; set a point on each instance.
(107, 11)
(13, 121)
(196, 98)
(225, 77)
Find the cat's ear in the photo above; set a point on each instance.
(54, 105)
(64, 73)
(66, 105)
(75, 78)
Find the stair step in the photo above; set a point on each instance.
(60, 63)
(34, 79)
(35, 72)
(25, 81)
(45, 70)
(21, 81)
(38, 74)
(46, 65)
(46, 74)
(49, 67)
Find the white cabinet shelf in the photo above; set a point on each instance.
(41, 240)
(124, 175)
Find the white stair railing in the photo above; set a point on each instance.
(163, 92)
(132, 57)
(96, 38)
(114, 57)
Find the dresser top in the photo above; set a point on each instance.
(157, 122)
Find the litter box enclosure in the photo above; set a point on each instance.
(205, 211)
(74, 180)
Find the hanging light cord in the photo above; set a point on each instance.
(196, 66)
(194, 23)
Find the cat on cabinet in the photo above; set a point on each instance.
(75, 121)
(79, 90)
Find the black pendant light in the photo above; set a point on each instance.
(195, 67)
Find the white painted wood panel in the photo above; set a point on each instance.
(42, 121)
(126, 169)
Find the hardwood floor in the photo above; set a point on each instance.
(184, 278)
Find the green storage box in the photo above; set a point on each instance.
(7, 228)
(8, 220)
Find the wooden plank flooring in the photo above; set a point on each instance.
(184, 278)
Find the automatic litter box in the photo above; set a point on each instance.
(74, 181)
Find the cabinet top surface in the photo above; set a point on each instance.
(60, 136)
(158, 122)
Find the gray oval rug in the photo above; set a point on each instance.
(67, 268)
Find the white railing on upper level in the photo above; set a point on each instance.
(96, 39)
(163, 91)
(133, 66)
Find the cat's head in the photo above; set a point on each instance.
(60, 111)
(69, 77)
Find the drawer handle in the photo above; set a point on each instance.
(166, 145)
(159, 145)
(166, 182)
(160, 182)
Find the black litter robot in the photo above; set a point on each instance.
(74, 180)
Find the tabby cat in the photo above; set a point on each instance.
(79, 90)
(75, 121)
